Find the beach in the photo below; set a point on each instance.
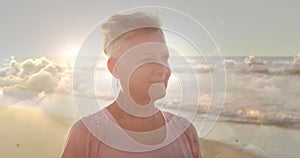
(31, 133)
(263, 140)
(37, 133)
(214, 149)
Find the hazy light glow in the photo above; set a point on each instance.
(71, 51)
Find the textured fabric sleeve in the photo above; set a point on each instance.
(78, 143)
(194, 141)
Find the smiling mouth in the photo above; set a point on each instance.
(156, 81)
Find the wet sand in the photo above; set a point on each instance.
(213, 149)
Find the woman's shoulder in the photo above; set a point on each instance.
(99, 119)
(90, 122)
(182, 126)
(176, 120)
(96, 116)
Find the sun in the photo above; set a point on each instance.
(72, 51)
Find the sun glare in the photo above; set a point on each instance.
(72, 51)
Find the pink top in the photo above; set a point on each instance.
(96, 140)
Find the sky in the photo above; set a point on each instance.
(239, 27)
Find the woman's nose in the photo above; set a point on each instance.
(161, 69)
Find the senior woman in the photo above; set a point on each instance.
(132, 126)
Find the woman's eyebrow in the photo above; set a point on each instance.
(145, 54)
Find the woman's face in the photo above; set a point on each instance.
(143, 65)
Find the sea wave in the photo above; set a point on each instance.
(246, 65)
(253, 64)
(249, 115)
(256, 116)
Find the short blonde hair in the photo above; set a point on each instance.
(119, 27)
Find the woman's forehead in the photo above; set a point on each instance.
(145, 52)
(145, 42)
(146, 36)
(148, 49)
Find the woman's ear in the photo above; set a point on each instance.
(111, 63)
(167, 78)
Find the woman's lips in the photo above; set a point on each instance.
(156, 81)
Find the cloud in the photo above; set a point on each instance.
(40, 78)
(41, 81)
(28, 78)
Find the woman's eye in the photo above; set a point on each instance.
(166, 58)
(147, 59)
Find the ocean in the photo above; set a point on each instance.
(259, 90)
